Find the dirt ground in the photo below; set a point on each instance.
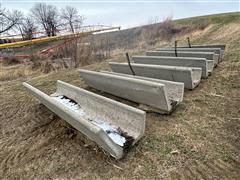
(199, 140)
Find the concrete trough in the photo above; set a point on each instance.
(190, 76)
(207, 55)
(206, 65)
(214, 50)
(112, 125)
(151, 94)
(221, 46)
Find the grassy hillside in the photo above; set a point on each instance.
(200, 140)
(222, 19)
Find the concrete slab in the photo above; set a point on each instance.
(112, 125)
(188, 75)
(206, 65)
(147, 92)
(207, 55)
(214, 50)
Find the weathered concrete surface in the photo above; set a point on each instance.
(221, 46)
(174, 90)
(129, 119)
(206, 65)
(207, 55)
(188, 75)
(142, 91)
(192, 49)
(210, 66)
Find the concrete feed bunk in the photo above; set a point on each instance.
(214, 50)
(151, 94)
(207, 55)
(221, 46)
(174, 90)
(189, 76)
(112, 125)
(206, 65)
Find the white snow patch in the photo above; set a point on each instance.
(111, 130)
(70, 104)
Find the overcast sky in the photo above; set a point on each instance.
(129, 13)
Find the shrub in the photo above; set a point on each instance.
(11, 60)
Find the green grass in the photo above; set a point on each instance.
(224, 18)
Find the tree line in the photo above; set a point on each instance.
(41, 17)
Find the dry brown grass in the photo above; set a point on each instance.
(200, 140)
(202, 129)
(94, 49)
(81, 52)
(147, 36)
(11, 72)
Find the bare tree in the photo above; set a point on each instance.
(47, 16)
(27, 27)
(70, 16)
(8, 19)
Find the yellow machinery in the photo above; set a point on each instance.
(46, 39)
